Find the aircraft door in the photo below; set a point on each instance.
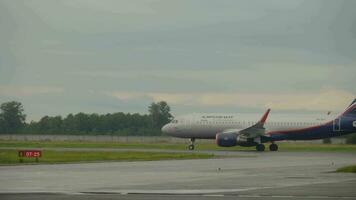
(337, 124)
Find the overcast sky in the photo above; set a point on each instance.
(68, 56)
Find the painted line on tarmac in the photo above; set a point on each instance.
(175, 192)
(294, 197)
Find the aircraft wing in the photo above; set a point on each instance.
(233, 131)
(257, 129)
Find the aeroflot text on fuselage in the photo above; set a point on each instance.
(217, 117)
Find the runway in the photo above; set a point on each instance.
(249, 175)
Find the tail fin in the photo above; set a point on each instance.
(354, 102)
(351, 109)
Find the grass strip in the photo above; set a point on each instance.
(283, 146)
(349, 169)
(50, 156)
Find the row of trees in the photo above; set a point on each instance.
(12, 120)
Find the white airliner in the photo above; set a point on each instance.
(246, 130)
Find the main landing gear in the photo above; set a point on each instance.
(260, 147)
(192, 144)
(272, 147)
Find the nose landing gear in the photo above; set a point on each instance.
(192, 144)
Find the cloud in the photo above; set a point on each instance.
(330, 99)
(173, 98)
(19, 91)
(125, 96)
(197, 55)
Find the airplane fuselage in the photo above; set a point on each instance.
(206, 126)
(278, 127)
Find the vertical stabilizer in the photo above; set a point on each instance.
(353, 102)
(351, 110)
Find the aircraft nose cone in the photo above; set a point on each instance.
(166, 129)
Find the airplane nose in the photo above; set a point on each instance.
(165, 129)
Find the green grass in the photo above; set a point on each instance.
(50, 156)
(350, 169)
(174, 146)
(85, 144)
(316, 147)
(119, 145)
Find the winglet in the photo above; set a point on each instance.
(264, 117)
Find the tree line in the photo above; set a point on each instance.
(13, 120)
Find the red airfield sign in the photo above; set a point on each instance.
(30, 153)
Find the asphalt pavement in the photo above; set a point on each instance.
(248, 175)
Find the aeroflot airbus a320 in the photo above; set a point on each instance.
(240, 129)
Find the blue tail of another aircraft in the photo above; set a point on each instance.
(347, 120)
(342, 125)
(354, 102)
(351, 110)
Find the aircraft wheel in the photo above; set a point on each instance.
(191, 147)
(260, 147)
(273, 147)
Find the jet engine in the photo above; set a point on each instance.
(226, 139)
(233, 139)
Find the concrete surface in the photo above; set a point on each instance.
(251, 175)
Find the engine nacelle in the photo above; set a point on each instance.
(226, 139)
(232, 139)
